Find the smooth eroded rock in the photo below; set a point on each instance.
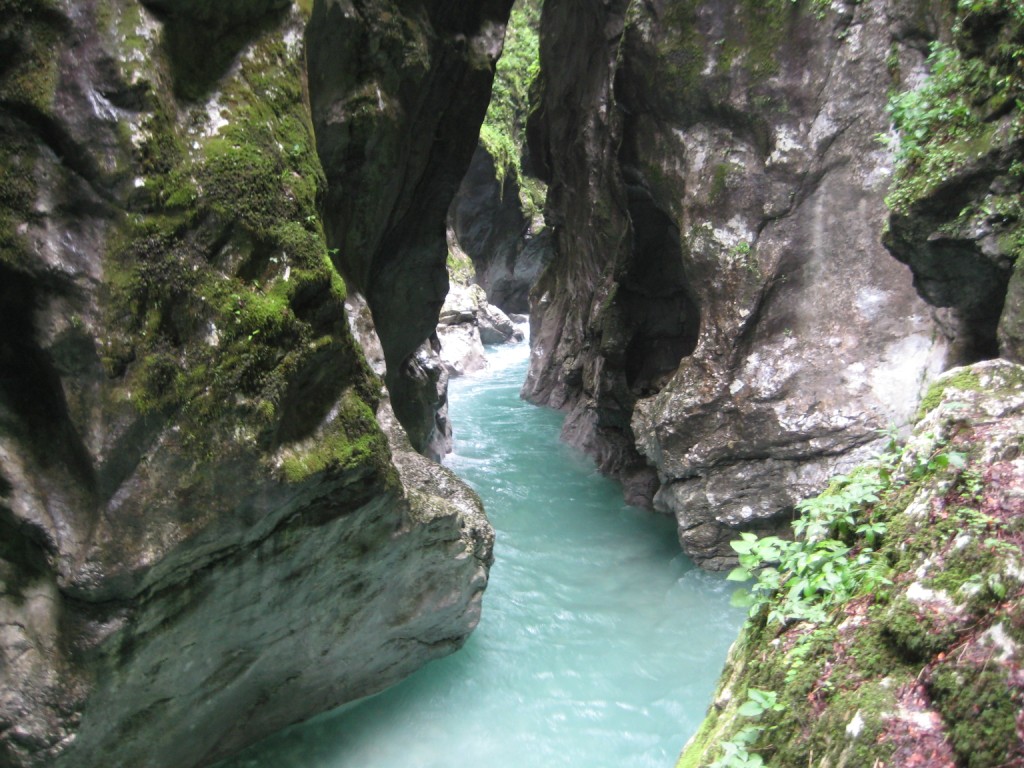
(203, 533)
(721, 308)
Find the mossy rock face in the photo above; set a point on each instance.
(957, 218)
(199, 511)
(397, 100)
(926, 667)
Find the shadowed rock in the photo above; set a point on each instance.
(720, 310)
(203, 533)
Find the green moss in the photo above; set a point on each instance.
(873, 654)
(32, 30)
(202, 40)
(964, 381)
(503, 132)
(17, 195)
(719, 181)
(918, 631)
(680, 47)
(948, 121)
(980, 708)
(223, 304)
(351, 440)
(460, 268)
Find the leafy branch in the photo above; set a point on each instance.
(833, 553)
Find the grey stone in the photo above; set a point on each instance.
(721, 307)
(397, 101)
(205, 535)
(488, 223)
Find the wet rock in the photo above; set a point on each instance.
(495, 326)
(462, 351)
(721, 308)
(204, 535)
(467, 322)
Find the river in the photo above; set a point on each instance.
(599, 645)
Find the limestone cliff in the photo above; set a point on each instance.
(721, 322)
(398, 97)
(203, 535)
(905, 650)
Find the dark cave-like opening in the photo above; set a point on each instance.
(661, 314)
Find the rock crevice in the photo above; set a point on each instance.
(205, 534)
(721, 310)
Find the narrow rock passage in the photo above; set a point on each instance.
(600, 644)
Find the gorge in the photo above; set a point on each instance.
(750, 238)
(599, 642)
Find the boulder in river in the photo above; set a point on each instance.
(467, 322)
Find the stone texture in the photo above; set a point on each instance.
(508, 251)
(467, 322)
(721, 301)
(398, 99)
(926, 669)
(203, 537)
(462, 351)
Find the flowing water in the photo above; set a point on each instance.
(599, 645)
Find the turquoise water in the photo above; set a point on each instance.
(600, 643)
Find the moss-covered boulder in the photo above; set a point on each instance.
(917, 659)
(203, 534)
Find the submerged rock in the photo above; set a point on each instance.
(920, 665)
(203, 535)
(721, 310)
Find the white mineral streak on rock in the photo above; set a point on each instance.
(997, 636)
(855, 726)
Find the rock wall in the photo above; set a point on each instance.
(957, 218)
(398, 98)
(721, 310)
(509, 249)
(203, 533)
(922, 664)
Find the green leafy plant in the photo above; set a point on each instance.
(948, 119)
(831, 555)
(736, 752)
(504, 128)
